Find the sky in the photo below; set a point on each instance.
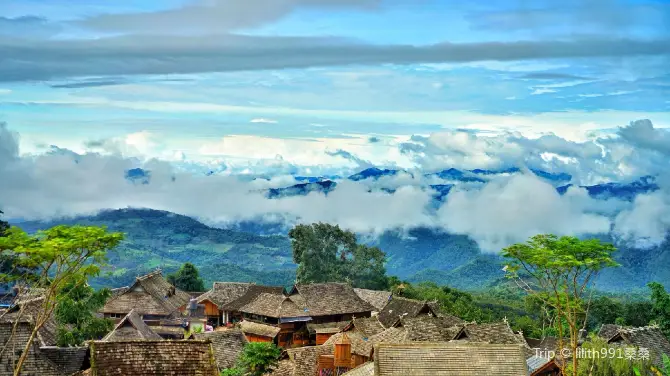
(328, 87)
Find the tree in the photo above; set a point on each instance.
(257, 359)
(604, 310)
(187, 278)
(559, 272)
(4, 226)
(327, 253)
(661, 306)
(75, 314)
(56, 258)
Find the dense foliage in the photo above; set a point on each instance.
(661, 306)
(610, 361)
(257, 359)
(187, 278)
(75, 314)
(327, 253)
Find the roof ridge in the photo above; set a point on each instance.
(149, 275)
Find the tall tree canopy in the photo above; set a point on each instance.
(75, 314)
(4, 225)
(257, 359)
(187, 278)
(559, 271)
(661, 306)
(327, 253)
(52, 260)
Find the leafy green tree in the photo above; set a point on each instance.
(661, 306)
(56, 258)
(4, 226)
(327, 253)
(638, 313)
(187, 278)
(609, 360)
(257, 359)
(75, 314)
(604, 310)
(559, 272)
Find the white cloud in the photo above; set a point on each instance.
(263, 120)
(542, 90)
(647, 223)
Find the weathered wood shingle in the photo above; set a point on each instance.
(323, 299)
(227, 345)
(400, 307)
(377, 299)
(649, 337)
(223, 293)
(263, 330)
(131, 327)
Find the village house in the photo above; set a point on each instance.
(647, 337)
(377, 299)
(151, 296)
(223, 301)
(399, 307)
(151, 358)
(131, 327)
(228, 345)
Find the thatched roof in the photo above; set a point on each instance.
(227, 345)
(449, 359)
(223, 293)
(264, 330)
(324, 299)
(400, 307)
(366, 326)
(277, 306)
(377, 299)
(649, 337)
(151, 294)
(131, 327)
(153, 358)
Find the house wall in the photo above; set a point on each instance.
(321, 338)
(211, 309)
(256, 338)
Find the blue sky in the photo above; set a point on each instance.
(183, 88)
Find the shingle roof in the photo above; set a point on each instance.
(367, 369)
(377, 299)
(306, 359)
(449, 359)
(547, 343)
(37, 363)
(68, 359)
(258, 329)
(649, 337)
(608, 331)
(223, 293)
(358, 345)
(285, 367)
(150, 294)
(227, 345)
(402, 307)
(153, 358)
(277, 306)
(131, 327)
(331, 299)
(328, 327)
(24, 310)
(497, 332)
(431, 329)
(251, 294)
(390, 335)
(367, 326)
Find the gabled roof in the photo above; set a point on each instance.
(426, 328)
(327, 327)
(449, 359)
(324, 299)
(151, 294)
(306, 359)
(358, 345)
(497, 332)
(276, 306)
(24, 311)
(649, 337)
(223, 293)
(402, 307)
(263, 330)
(16, 337)
(250, 295)
(608, 331)
(545, 344)
(132, 327)
(227, 345)
(366, 326)
(153, 358)
(377, 299)
(68, 359)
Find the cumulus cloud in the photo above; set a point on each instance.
(642, 134)
(508, 211)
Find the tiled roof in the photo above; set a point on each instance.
(306, 359)
(449, 359)
(358, 345)
(250, 327)
(227, 345)
(285, 367)
(118, 291)
(277, 306)
(377, 299)
(390, 335)
(68, 359)
(427, 328)
(402, 307)
(367, 369)
(498, 333)
(547, 343)
(649, 337)
(131, 327)
(251, 294)
(329, 327)
(24, 310)
(150, 294)
(223, 293)
(608, 331)
(367, 326)
(37, 363)
(324, 299)
(153, 358)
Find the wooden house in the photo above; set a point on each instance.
(286, 314)
(399, 307)
(151, 296)
(331, 302)
(227, 345)
(156, 358)
(223, 301)
(131, 327)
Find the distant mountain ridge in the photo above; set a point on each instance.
(162, 239)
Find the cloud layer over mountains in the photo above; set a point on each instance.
(498, 207)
